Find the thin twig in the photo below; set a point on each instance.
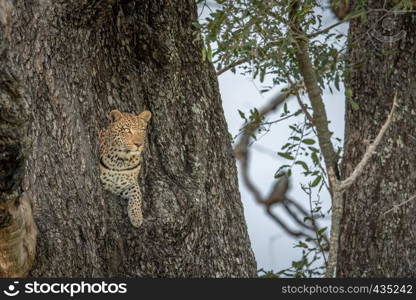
(280, 120)
(284, 226)
(295, 216)
(325, 30)
(395, 207)
(233, 65)
(302, 106)
(313, 227)
(316, 232)
(266, 151)
(243, 60)
(272, 105)
(359, 169)
(338, 190)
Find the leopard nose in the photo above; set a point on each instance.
(138, 144)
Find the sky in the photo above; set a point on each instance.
(273, 248)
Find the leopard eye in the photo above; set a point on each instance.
(126, 130)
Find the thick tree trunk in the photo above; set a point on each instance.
(377, 240)
(75, 62)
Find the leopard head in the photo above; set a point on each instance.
(125, 135)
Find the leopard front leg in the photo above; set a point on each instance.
(134, 207)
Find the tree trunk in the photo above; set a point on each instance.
(378, 224)
(76, 61)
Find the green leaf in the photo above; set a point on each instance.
(315, 158)
(242, 115)
(336, 82)
(295, 129)
(278, 175)
(308, 141)
(348, 93)
(354, 105)
(303, 245)
(204, 54)
(303, 164)
(286, 155)
(262, 74)
(313, 149)
(197, 25)
(316, 181)
(322, 230)
(298, 112)
(209, 54)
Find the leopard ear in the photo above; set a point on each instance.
(145, 115)
(115, 115)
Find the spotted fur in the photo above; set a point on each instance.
(121, 147)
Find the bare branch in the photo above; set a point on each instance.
(244, 161)
(395, 207)
(325, 247)
(343, 20)
(284, 226)
(241, 148)
(338, 189)
(243, 60)
(266, 202)
(325, 30)
(233, 65)
(271, 106)
(359, 169)
(302, 106)
(279, 190)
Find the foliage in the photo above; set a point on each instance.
(259, 32)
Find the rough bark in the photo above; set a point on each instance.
(17, 228)
(76, 61)
(376, 240)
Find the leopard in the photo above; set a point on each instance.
(121, 147)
